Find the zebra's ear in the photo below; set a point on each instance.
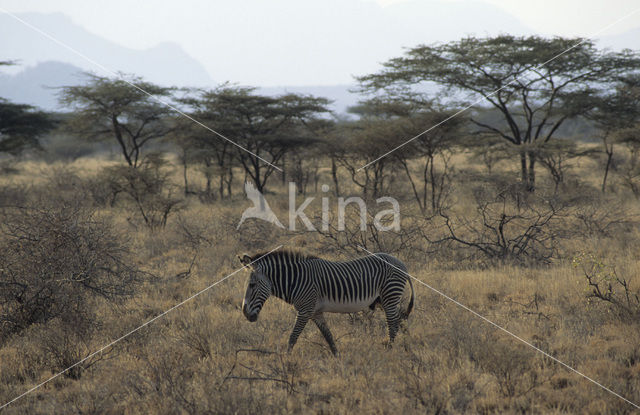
(245, 259)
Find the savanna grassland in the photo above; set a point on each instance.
(524, 260)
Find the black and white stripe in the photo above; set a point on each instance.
(314, 286)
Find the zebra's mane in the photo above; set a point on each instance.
(285, 255)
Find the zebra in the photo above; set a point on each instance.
(314, 286)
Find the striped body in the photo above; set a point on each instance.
(314, 286)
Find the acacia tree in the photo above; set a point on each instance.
(302, 164)
(106, 108)
(388, 121)
(265, 127)
(533, 99)
(21, 125)
(360, 141)
(213, 155)
(614, 114)
(556, 157)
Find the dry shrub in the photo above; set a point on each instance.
(605, 220)
(353, 237)
(507, 226)
(163, 383)
(433, 388)
(512, 366)
(195, 332)
(147, 187)
(59, 345)
(56, 260)
(12, 196)
(618, 294)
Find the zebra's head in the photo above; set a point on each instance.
(258, 289)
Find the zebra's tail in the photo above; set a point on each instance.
(405, 315)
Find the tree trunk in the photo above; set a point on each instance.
(527, 170)
(609, 151)
(284, 169)
(433, 185)
(208, 186)
(523, 169)
(120, 139)
(413, 185)
(531, 185)
(334, 176)
(184, 172)
(229, 182)
(425, 182)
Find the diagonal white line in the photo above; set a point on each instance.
(122, 78)
(505, 330)
(136, 329)
(502, 87)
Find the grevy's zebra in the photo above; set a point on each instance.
(314, 285)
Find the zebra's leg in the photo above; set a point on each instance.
(324, 329)
(390, 306)
(301, 321)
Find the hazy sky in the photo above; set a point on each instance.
(307, 42)
(564, 17)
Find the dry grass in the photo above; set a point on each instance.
(204, 357)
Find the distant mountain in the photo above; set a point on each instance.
(255, 42)
(36, 85)
(45, 65)
(157, 64)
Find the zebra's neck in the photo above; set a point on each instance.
(286, 278)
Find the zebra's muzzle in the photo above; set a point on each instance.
(251, 317)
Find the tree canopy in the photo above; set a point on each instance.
(535, 83)
(266, 127)
(106, 108)
(21, 124)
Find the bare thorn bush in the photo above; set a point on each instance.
(147, 188)
(510, 226)
(55, 261)
(619, 294)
